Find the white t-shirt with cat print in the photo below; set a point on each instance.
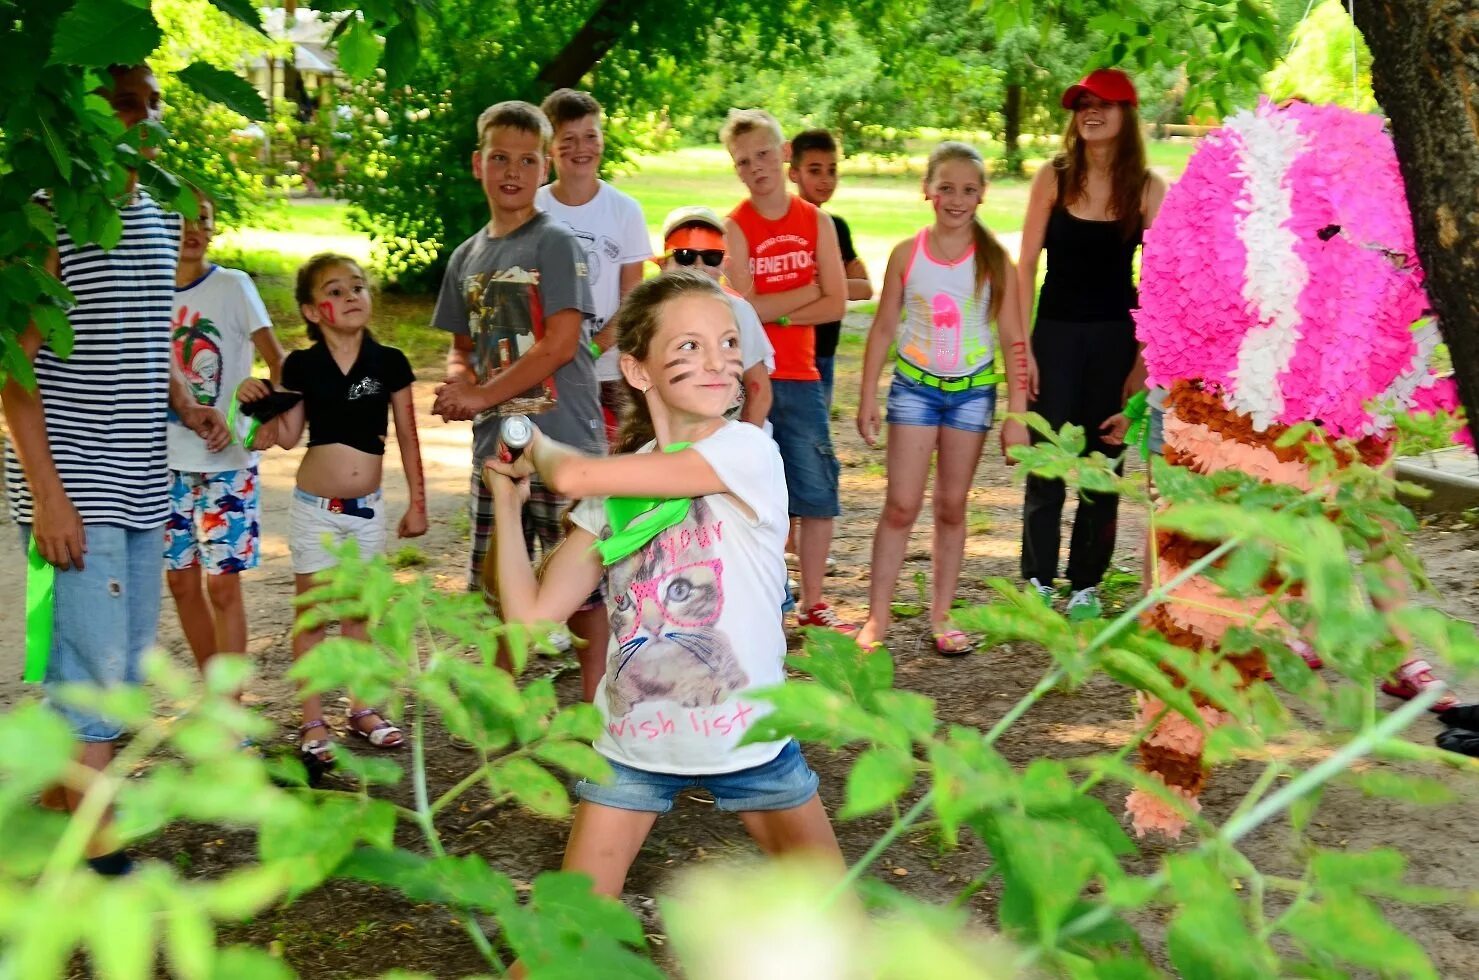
(696, 619)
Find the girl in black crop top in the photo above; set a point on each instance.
(1089, 209)
(350, 385)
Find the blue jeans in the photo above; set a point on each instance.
(804, 437)
(783, 783)
(104, 618)
(913, 402)
(827, 368)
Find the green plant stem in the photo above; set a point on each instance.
(93, 809)
(470, 780)
(1238, 828)
(426, 817)
(1023, 705)
(1260, 786)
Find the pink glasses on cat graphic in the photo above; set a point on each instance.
(678, 579)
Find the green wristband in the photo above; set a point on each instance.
(783, 321)
(595, 349)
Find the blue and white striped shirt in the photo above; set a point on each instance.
(106, 404)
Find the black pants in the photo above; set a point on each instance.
(1081, 375)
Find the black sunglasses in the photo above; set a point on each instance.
(687, 256)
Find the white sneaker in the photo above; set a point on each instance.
(1084, 604)
(1047, 592)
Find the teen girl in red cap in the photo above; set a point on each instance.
(1088, 210)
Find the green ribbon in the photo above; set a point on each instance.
(637, 520)
(40, 590)
(1137, 410)
(233, 412)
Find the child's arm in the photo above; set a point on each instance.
(571, 574)
(631, 276)
(832, 304)
(459, 360)
(1034, 230)
(664, 476)
(859, 286)
(771, 306)
(55, 523)
(881, 336)
(203, 420)
(461, 400)
(403, 410)
(756, 381)
(283, 431)
(1017, 356)
(270, 350)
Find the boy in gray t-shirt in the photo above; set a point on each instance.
(516, 299)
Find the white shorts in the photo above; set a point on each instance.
(322, 523)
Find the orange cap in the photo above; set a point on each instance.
(694, 236)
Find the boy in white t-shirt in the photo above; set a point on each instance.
(608, 223)
(214, 497)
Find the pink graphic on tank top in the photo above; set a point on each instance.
(947, 322)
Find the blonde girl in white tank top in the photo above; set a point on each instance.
(942, 290)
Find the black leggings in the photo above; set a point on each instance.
(1081, 375)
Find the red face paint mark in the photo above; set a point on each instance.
(326, 310)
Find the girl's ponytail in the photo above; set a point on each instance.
(991, 266)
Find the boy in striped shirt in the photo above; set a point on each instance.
(86, 465)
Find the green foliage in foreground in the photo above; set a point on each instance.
(1069, 903)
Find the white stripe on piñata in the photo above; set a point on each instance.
(1398, 396)
(1274, 275)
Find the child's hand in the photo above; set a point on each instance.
(458, 401)
(413, 524)
(1114, 428)
(209, 425)
(1013, 433)
(503, 478)
(869, 423)
(253, 390)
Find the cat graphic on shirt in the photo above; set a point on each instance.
(669, 597)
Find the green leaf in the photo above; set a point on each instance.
(248, 963)
(1352, 930)
(968, 776)
(576, 758)
(124, 949)
(878, 778)
(1047, 863)
(1209, 937)
(244, 892)
(225, 87)
(402, 51)
(189, 937)
(55, 328)
(243, 10)
(914, 712)
(359, 49)
(579, 721)
(97, 33)
(531, 786)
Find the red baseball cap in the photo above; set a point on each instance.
(1110, 84)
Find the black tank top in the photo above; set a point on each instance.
(1090, 268)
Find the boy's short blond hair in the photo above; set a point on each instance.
(742, 121)
(515, 114)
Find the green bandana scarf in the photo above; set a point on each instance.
(637, 520)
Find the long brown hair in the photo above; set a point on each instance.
(991, 257)
(1127, 170)
(636, 324)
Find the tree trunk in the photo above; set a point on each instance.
(1011, 115)
(1425, 71)
(586, 46)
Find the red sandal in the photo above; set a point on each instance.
(1413, 678)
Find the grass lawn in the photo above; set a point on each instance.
(881, 199)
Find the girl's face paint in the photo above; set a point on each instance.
(343, 299)
(696, 356)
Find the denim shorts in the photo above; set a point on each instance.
(783, 783)
(913, 402)
(798, 411)
(104, 618)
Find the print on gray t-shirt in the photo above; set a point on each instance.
(536, 270)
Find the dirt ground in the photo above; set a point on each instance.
(350, 930)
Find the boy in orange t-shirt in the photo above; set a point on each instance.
(784, 259)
